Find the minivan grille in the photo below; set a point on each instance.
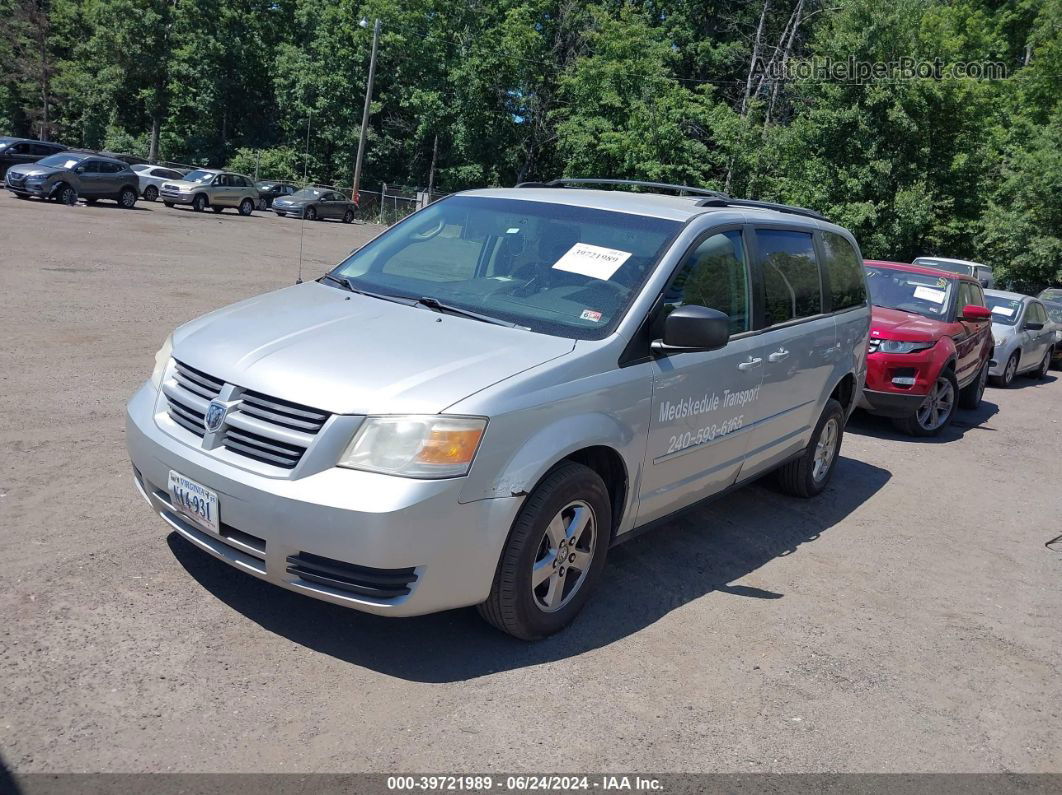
(260, 427)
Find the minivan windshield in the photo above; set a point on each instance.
(919, 293)
(1004, 310)
(199, 176)
(59, 161)
(950, 267)
(554, 268)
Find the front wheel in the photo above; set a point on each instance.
(67, 195)
(310, 214)
(127, 198)
(935, 412)
(151, 193)
(246, 206)
(808, 475)
(554, 555)
(970, 396)
(199, 203)
(1009, 371)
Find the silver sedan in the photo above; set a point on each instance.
(1024, 336)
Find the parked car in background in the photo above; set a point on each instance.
(982, 273)
(17, 151)
(68, 176)
(269, 190)
(1024, 336)
(550, 370)
(208, 187)
(1051, 294)
(150, 179)
(316, 204)
(1054, 314)
(930, 345)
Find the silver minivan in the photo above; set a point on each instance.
(473, 407)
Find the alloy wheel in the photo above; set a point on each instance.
(1012, 369)
(826, 449)
(938, 405)
(564, 556)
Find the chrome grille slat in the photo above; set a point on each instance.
(194, 387)
(283, 407)
(264, 442)
(253, 410)
(208, 382)
(261, 455)
(246, 422)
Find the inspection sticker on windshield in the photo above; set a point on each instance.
(590, 314)
(593, 261)
(1006, 311)
(929, 294)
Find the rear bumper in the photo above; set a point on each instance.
(369, 527)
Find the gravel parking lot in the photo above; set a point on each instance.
(907, 620)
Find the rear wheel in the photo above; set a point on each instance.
(348, 216)
(151, 193)
(935, 412)
(310, 214)
(970, 396)
(246, 206)
(554, 555)
(808, 475)
(199, 203)
(1041, 371)
(127, 198)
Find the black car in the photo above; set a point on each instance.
(269, 190)
(68, 176)
(316, 204)
(15, 151)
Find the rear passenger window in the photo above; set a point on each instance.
(714, 275)
(791, 282)
(845, 272)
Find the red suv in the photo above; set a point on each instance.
(930, 345)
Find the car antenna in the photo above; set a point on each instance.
(302, 227)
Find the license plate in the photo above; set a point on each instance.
(194, 501)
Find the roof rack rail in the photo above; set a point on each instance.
(560, 183)
(781, 208)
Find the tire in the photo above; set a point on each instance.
(66, 195)
(168, 204)
(1040, 373)
(809, 474)
(348, 216)
(246, 207)
(572, 495)
(218, 209)
(199, 203)
(151, 193)
(1009, 372)
(127, 198)
(310, 214)
(971, 394)
(936, 411)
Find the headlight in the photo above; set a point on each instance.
(415, 446)
(903, 346)
(162, 360)
(999, 341)
(37, 178)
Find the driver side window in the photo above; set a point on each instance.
(714, 274)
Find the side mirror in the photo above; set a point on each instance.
(975, 313)
(693, 328)
(1032, 325)
(79, 170)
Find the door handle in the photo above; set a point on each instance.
(778, 355)
(750, 363)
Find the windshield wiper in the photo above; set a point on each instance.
(428, 302)
(347, 284)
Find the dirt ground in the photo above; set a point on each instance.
(910, 619)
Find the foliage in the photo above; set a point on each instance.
(474, 92)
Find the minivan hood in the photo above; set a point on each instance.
(351, 354)
(899, 325)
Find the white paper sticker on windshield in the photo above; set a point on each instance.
(929, 294)
(593, 261)
(1006, 311)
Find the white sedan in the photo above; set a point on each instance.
(151, 178)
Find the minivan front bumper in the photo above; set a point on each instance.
(333, 535)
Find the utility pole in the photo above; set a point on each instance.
(306, 158)
(368, 102)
